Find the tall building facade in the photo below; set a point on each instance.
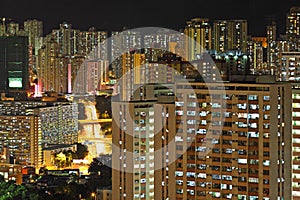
(26, 127)
(141, 173)
(67, 39)
(220, 35)
(14, 65)
(20, 132)
(122, 42)
(230, 35)
(132, 67)
(48, 66)
(59, 120)
(233, 63)
(293, 28)
(12, 29)
(238, 33)
(293, 22)
(272, 44)
(163, 42)
(91, 76)
(62, 55)
(198, 37)
(296, 141)
(21, 137)
(93, 43)
(257, 50)
(34, 29)
(289, 69)
(59, 124)
(242, 142)
(57, 72)
(232, 141)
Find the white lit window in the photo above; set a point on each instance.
(191, 113)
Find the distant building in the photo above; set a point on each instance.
(14, 65)
(230, 63)
(122, 42)
(133, 73)
(104, 194)
(93, 43)
(27, 127)
(293, 22)
(198, 37)
(11, 172)
(34, 29)
(258, 55)
(289, 66)
(230, 35)
(60, 62)
(92, 75)
(12, 29)
(55, 72)
(59, 123)
(50, 151)
(293, 29)
(271, 39)
(21, 136)
(66, 37)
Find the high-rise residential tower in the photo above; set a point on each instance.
(241, 146)
(232, 141)
(230, 35)
(34, 29)
(293, 22)
(296, 141)
(199, 37)
(14, 63)
(26, 127)
(289, 69)
(272, 44)
(133, 65)
(142, 156)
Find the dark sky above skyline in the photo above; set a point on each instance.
(113, 15)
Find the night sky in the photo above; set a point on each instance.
(113, 15)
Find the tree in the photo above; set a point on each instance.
(42, 170)
(81, 153)
(95, 167)
(10, 191)
(101, 173)
(69, 158)
(60, 159)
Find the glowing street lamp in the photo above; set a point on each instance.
(93, 195)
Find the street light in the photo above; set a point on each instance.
(93, 194)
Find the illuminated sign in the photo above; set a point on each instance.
(15, 82)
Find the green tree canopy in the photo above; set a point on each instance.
(81, 153)
(11, 191)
